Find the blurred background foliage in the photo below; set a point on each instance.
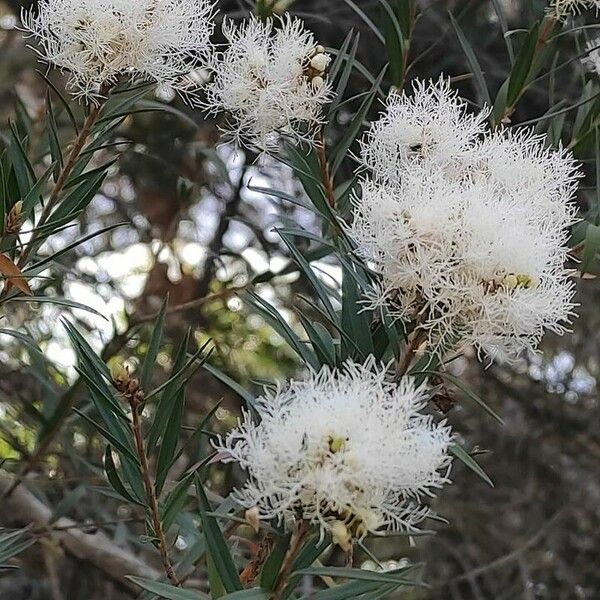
(195, 225)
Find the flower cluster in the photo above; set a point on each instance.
(270, 81)
(100, 41)
(347, 451)
(561, 9)
(466, 227)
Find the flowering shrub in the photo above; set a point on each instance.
(444, 226)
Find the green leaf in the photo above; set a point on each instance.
(80, 197)
(251, 594)
(321, 340)
(230, 383)
(169, 397)
(520, 72)
(164, 590)
(113, 478)
(154, 347)
(22, 167)
(469, 461)
(216, 544)
(473, 62)
(175, 501)
(343, 56)
(349, 591)
(341, 149)
(363, 16)
(470, 393)
(58, 302)
(306, 268)
(394, 41)
(504, 26)
(355, 321)
(108, 436)
(12, 543)
(396, 576)
(53, 138)
(273, 564)
(590, 248)
(272, 316)
(170, 439)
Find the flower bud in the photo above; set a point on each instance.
(252, 516)
(341, 535)
(510, 282)
(318, 82)
(319, 62)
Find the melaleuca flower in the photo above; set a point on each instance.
(98, 42)
(432, 124)
(520, 164)
(270, 80)
(561, 9)
(349, 451)
(469, 241)
(592, 60)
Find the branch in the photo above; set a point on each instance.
(95, 548)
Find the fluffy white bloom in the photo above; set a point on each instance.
(99, 41)
(469, 230)
(433, 124)
(592, 60)
(270, 80)
(563, 8)
(347, 450)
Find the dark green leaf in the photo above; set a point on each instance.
(164, 590)
(469, 461)
(217, 546)
(154, 347)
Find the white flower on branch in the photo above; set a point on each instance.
(468, 232)
(270, 80)
(433, 124)
(592, 60)
(98, 42)
(347, 450)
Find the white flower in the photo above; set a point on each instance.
(100, 41)
(432, 124)
(563, 8)
(347, 450)
(592, 60)
(270, 80)
(469, 232)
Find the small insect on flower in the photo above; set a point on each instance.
(349, 451)
(99, 42)
(433, 124)
(592, 60)
(467, 228)
(270, 81)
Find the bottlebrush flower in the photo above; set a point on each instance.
(432, 124)
(347, 450)
(99, 42)
(468, 231)
(270, 81)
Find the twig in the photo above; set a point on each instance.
(410, 351)
(150, 493)
(297, 543)
(325, 170)
(95, 548)
(78, 146)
